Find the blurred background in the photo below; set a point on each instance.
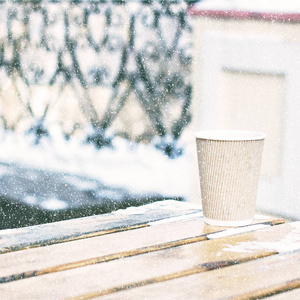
(246, 71)
(99, 101)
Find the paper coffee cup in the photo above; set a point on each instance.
(229, 167)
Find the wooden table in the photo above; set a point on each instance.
(158, 251)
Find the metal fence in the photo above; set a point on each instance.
(97, 69)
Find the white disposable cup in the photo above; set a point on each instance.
(229, 169)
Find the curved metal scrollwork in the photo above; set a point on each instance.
(97, 56)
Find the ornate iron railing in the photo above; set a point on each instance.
(79, 64)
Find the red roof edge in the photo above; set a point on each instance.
(247, 15)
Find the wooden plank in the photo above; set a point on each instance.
(265, 291)
(158, 235)
(150, 268)
(58, 232)
(52, 258)
(122, 220)
(251, 280)
(290, 295)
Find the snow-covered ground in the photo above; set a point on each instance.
(137, 167)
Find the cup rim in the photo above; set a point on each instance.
(229, 135)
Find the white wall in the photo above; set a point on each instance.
(252, 82)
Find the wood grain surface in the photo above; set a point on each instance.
(81, 228)
(286, 295)
(256, 279)
(142, 252)
(151, 268)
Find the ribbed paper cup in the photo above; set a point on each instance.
(229, 167)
